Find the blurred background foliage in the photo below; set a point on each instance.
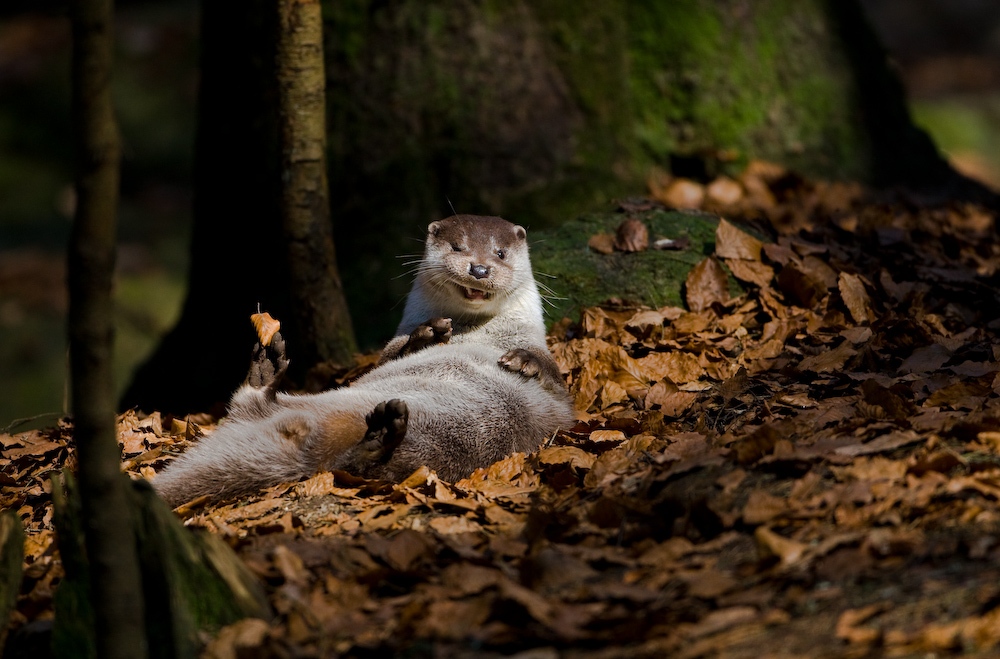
(948, 52)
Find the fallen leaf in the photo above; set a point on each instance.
(266, 327)
(848, 624)
(829, 360)
(770, 543)
(732, 243)
(706, 284)
(631, 236)
(602, 243)
(852, 290)
(753, 272)
(683, 193)
(761, 508)
(566, 455)
(724, 191)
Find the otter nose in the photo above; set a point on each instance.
(479, 271)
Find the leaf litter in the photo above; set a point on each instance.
(810, 468)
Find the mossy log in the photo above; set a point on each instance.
(578, 276)
(191, 581)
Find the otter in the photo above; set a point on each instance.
(467, 381)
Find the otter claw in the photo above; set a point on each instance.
(433, 332)
(519, 360)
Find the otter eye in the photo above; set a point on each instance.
(502, 254)
(455, 248)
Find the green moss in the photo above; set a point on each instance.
(771, 82)
(581, 277)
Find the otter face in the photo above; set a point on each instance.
(473, 263)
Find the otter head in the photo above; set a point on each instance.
(472, 264)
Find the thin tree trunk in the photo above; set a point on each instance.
(116, 587)
(317, 295)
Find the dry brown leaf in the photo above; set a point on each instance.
(607, 436)
(705, 285)
(852, 290)
(753, 272)
(829, 360)
(732, 243)
(786, 550)
(291, 567)
(675, 404)
(761, 508)
(683, 193)
(848, 624)
(677, 367)
(570, 455)
(724, 191)
(800, 287)
(602, 243)
(888, 442)
(237, 639)
(266, 327)
(961, 395)
(708, 583)
(818, 270)
(723, 619)
(631, 236)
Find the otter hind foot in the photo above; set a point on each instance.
(386, 429)
(519, 360)
(432, 332)
(268, 363)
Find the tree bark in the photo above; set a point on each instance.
(318, 303)
(110, 540)
(192, 581)
(238, 256)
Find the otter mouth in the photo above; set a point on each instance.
(474, 294)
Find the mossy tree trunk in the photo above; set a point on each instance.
(541, 111)
(534, 111)
(116, 595)
(192, 582)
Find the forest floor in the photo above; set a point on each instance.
(810, 469)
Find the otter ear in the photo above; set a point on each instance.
(433, 229)
(519, 232)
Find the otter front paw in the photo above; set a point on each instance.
(519, 360)
(386, 429)
(268, 363)
(432, 332)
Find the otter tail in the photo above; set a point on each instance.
(247, 452)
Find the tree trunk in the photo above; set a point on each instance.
(318, 304)
(240, 257)
(114, 572)
(192, 581)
